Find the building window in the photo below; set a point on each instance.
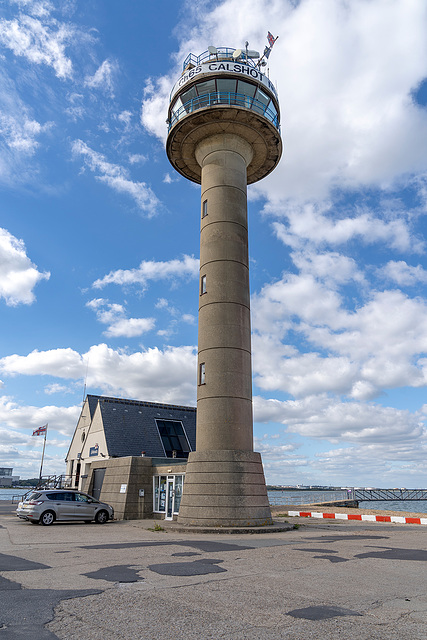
(204, 208)
(173, 438)
(203, 285)
(202, 375)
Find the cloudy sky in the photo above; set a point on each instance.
(99, 238)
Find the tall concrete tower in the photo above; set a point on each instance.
(224, 133)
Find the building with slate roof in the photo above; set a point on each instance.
(132, 454)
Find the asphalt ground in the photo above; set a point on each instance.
(124, 580)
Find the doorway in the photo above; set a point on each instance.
(77, 478)
(167, 494)
(98, 479)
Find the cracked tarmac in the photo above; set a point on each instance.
(121, 581)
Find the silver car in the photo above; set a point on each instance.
(44, 506)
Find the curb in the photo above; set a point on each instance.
(173, 527)
(357, 516)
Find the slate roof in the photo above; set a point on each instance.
(93, 403)
(130, 425)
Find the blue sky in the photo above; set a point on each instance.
(99, 238)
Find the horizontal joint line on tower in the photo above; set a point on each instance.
(230, 186)
(211, 222)
(224, 260)
(228, 151)
(225, 347)
(240, 304)
(224, 396)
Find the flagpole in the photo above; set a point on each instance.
(44, 445)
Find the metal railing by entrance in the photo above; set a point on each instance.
(377, 495)
(229, 99)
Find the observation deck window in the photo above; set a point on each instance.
(246, 88)
(224, 91)
(262, 97)
(272, 109)
(178, 104)
(206, 87)
(226, 85)
(188, 96)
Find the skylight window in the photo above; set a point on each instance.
(174, 439)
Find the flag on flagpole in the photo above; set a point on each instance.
(266, 53)
(40, 431)
(271, 39)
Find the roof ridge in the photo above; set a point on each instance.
(140, 403)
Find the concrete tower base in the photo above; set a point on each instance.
(224, 489)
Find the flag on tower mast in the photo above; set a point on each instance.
(271, 39)
(267, 50)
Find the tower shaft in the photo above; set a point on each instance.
(224, 397)
(224, 481)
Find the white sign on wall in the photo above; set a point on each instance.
(123, 488)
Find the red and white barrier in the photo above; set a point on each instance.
(358, 516)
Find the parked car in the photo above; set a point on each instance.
(44, 506)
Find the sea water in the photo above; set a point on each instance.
(276, 498)
(9, 494)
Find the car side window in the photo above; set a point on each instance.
(80, 497)
(55, 496)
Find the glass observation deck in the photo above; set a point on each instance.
(224, 91)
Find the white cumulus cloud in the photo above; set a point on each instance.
(326, 418)
(103, 78)
(18, 275)
(117, 178)
(381, 344)
(39, 40)
(152, 270)
(114, 315)
(166, 375)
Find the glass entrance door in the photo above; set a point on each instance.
(167, 494)
(170, 499)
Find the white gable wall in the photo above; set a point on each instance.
(88, 444)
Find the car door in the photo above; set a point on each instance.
(61, 504)
(84, 508)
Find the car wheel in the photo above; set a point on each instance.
(101, 517)
(47, 518)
